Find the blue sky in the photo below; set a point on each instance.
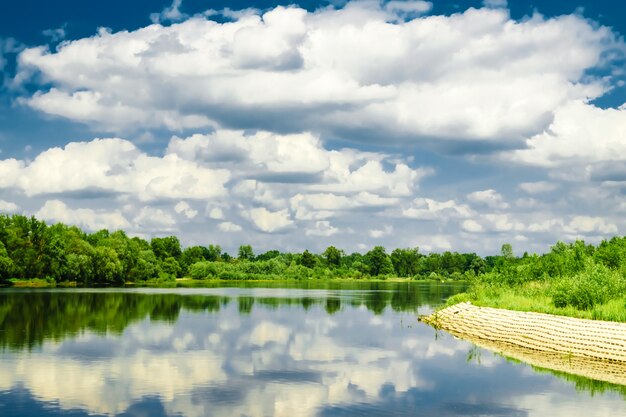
(444, 125)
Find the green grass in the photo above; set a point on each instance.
(535, 297)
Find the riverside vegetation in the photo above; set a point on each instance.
(574, 279)
(39, 254)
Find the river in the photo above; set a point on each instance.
(324, 349)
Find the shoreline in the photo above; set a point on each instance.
(590, 348)
(195, 283)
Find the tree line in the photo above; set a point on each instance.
(29, 248)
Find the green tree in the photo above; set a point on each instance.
(507, 251)
(170, 267)
(405, 261)
(333, 256)
(245, 253)
(107, 268)
(166, 247)
(213, 253)
(6, 264)
(308, 259)
(378, 261)
(191, 255)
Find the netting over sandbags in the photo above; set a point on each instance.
(591, 348)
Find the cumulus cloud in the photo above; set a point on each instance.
(154, 219)
(55, 35)
(580, 136)
(490, 198)
(229, 227)
(57, 211)
(169, 14)
(185, 209)
(590, 224)
(268, 221)
(215, 213)
(322, 228)
(538, 187)
(378, 233)
(361, 72)
(471, 226)
(113, 166)
(8, 207)
(429, 209)
(495, 3)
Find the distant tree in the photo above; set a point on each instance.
(213, 253)
(308, 259)
(6, 264)
(171, 267)
(333, 256)
(378, 261)
(191, 255)
(405, 261)
(245, 253)
(507, 251)
(270, 254)
(166, 247)
(107, 268)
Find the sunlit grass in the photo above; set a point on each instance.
(534, 297)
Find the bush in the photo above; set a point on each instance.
(596, 284)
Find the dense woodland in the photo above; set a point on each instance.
(29, 248)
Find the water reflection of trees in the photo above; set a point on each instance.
(27, 318)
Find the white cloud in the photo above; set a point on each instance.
(229, 227)
(322, 228)
(215, 213)
(115, 166)
(55, 35)
(471, 226)
(169, 14)
(429, 209)
(490, 198)
(184, 208)
(298, 158)
(268, 221)
(378, 233)
(537, 187)
(580, 135)
(433, 243)
(360, 72)
(588, 224)
(57, 211)
(8, 207)
(495, 3)
(154, 219)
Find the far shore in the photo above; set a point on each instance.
(188, 282)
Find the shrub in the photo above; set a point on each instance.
(596, 284)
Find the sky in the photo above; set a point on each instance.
(444, 125)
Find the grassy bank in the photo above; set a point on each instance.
(595, 292)
(199, 283)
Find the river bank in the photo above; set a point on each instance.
(590, 348)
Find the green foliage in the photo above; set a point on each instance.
(405, 261)
(378, 262)
(333, 256)
(245, 253)
(308, 259)
(166, 247)
(596, 284)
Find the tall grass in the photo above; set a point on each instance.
(596, 293)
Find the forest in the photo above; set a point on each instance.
(31, 249)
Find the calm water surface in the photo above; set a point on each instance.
(329, 351)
